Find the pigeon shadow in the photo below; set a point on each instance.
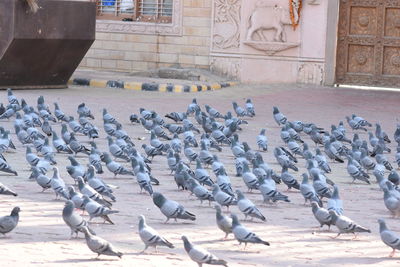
(357, 260)
(84, 260)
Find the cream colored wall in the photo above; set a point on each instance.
(133, 52)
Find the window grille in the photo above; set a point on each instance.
(136, 10)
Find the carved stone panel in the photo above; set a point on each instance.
(226, 24)
(368, 50)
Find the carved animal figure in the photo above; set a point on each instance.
(268, 18)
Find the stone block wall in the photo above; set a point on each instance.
(136, 46)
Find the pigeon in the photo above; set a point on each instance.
(75, 169)
(190, 154)
(60, 145)
(332, 152)
(223, 198)
(346, 225)
(74, 220)
(262, 141)
(284, 160)
(95, 160)
(115, 150)
(224, 222)
(159, 132)
(268, 190)
(354, 124)
(289, 180)
(42, 180)
(249, 178)
(200, 255)
(205, 156)
(8, 223)
(335, 203)
(98, 184)
(213, 112)
(115, 167)
(322, 215)
(171, 209)
(250, 108)
(388, 237)
(321, 187)
(133, 118)
(240, 112)
(4, 190)
(94, 209)
(143, 179)
(356, 173)
(58, 185)
(65, 134)
(76, 146)
(176, 116)
(59, 114)
(83, 110)
(192, 107)
(278, 116)
(201, 174)
(150, 237)
(89, 191)
(247, 207)
(243, 235)
(308, 191)
(394, 177)
(176, 144)
(392, 202)
(99, 245)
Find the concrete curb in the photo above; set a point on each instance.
(152, 86)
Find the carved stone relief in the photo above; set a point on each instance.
(174, 28)
(311, 73)
(226, 27)
(266, 29)
(228, 67)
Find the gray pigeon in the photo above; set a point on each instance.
(115, 167)
(150, 237)
(278, 116)
(322, 215)
(388, 237)
(262, 141)
(346, 225)
(335, 203)
(392, 202)
(99, 185)
(308, 191)
(91, 193)
(202, 175)
(200, 255)
(243, 235)
(8, 223)
(247, 207)
(171, 209)
(223, 198)
(4, 190)
(99, 245)
(223, 222)
(5, 167)
(74, 220)
(199, 191)
(58, 185)
(97, 210)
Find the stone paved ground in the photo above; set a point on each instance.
(42, 238)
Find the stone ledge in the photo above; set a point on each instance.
(150, 86)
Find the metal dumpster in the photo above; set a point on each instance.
(43, 49)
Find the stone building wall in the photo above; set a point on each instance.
(131, 46)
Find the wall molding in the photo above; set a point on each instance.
(174, 28)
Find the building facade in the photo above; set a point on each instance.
(305, 41)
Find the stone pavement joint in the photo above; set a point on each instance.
(150, 86)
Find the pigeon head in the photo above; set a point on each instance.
(215, 189)
(245, 167)
(15, 211)
(188, 246)
(334, 215)
(56, 174)
(68, 208)
(86, 231)
(315, 206)
(275, 110)
(305, 178)
(239, 194)
(71, 190)
(142, 222)
(382, 225)
(158, 199)
(262, 132)
(81, 184)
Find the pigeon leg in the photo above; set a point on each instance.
(226, 236)
(391, 255)
(166, 220)
(335, 236)
(143, 249)
(355, 236)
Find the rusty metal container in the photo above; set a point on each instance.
(43, 49)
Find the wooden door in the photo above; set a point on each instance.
(368, 51)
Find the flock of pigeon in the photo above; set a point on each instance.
(199, 143)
